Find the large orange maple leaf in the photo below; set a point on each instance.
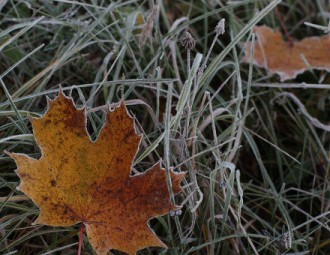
(77, 180)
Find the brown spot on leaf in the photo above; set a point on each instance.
(53, 183)
(45, 198)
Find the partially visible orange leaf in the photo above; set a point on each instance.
(277, 56)
(77, 180)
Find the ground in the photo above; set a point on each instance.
(257, 166)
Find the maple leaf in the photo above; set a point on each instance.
(78, 180)
(277, 56)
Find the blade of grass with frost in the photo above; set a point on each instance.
(117, 64)
(58, 243)
(51, 68)
(10, 253)
(201, 153)
(158, 72)
(23, 128)
(240, 193)
(247, 96)
(22, 113)
(302, 85)
(318, 142)
(65, 247)
(76, 44)
(22, 32)
(90, 119)
(168, 161)
(229, 192)
(186, 90)
(95, 6)
(238, 121)
(267, 179)
(193, 249)
(224, 9)
(128, 82)
(143, 103)
(302, 110)
(126, 41)
(149, 149)
(32, 234)
(18, 221)
(7, 92)
(212, 196)
(21, 60)
(23, 137)
(214, 66)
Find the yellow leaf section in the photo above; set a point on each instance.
(276, 55)
(77, 180)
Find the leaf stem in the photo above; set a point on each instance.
(81, 234)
